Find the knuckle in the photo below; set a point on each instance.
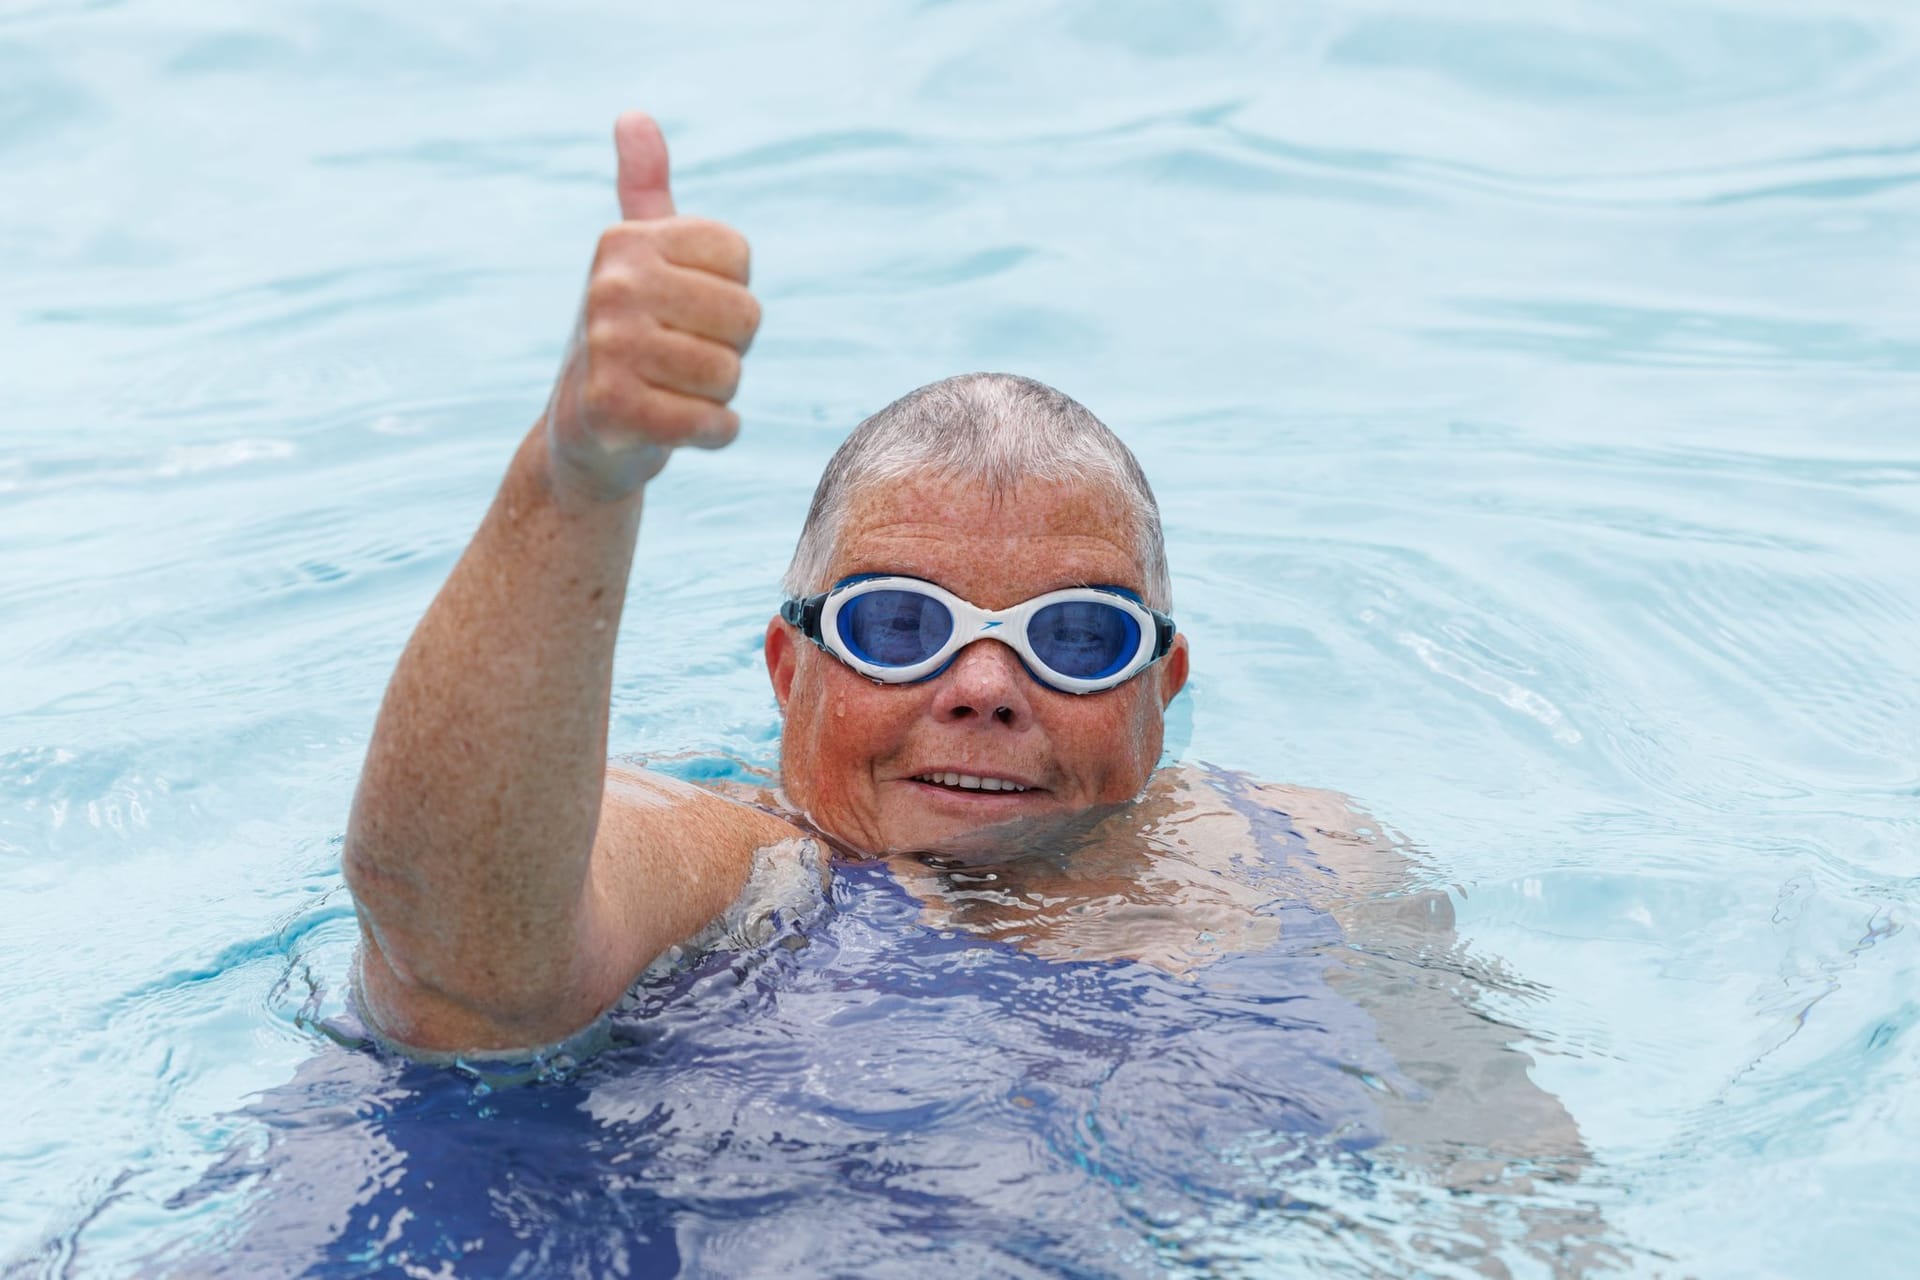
(626, 235)
(607, 340)
(612, 244)
(626, 242)
(601, 393)
(718, 247)
(606, 246)
(601, 335)
(609, 289)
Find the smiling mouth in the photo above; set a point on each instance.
(968, 782)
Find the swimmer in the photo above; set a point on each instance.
(974, 656)
(975, 649)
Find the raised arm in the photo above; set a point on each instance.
(508, 890)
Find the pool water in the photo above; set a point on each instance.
(1530, 393)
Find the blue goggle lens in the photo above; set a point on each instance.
(894, 628)
(1082, 639)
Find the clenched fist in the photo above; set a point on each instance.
(656, 355)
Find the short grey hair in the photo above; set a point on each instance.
(995, 429)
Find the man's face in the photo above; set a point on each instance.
(857, 756)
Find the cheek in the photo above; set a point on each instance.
(836, 721)
(1117, 743)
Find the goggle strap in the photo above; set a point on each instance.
(805, 614)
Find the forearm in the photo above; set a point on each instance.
(491, 913)
(471, 835)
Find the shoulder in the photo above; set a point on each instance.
(643, 798)
(651, 821)
(1402, 962)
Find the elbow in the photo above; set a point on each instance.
(436, 982)
(388, 902)
(419, 1014)
(405, 962)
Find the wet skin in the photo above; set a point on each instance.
(856, 754)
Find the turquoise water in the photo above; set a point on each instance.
(1530, 391)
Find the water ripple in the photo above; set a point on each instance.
(1686, 57)
(1614, 333)
(286, 303)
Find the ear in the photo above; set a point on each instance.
(1173, 670)
(783, 657)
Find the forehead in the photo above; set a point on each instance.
(993, 548)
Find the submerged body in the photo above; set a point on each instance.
(1199, 1035)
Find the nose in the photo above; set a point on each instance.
(986, 683)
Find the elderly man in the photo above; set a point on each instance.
(975, 649)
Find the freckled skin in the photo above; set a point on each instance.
(510, 881)
(850, 747)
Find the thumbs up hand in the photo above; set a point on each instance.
(656, 355)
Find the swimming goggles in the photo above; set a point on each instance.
(899, 630)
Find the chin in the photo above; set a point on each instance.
(998, 838)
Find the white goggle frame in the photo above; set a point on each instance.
(971, 623)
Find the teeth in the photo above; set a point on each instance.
(968, 782)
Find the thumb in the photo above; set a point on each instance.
(643, 167)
